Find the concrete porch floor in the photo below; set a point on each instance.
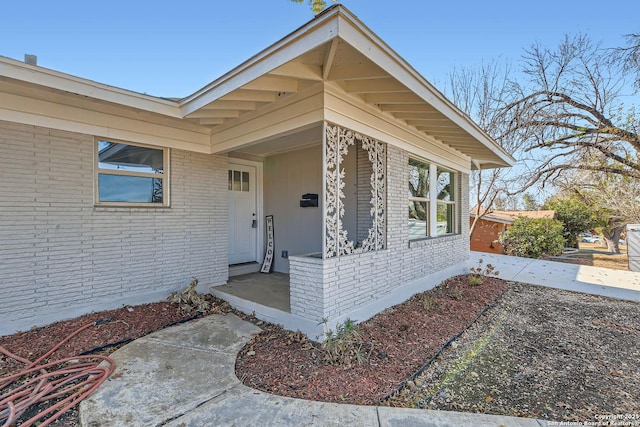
(270, 290)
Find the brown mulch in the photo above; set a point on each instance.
(125, 324)
(397, 341)
(535, 352)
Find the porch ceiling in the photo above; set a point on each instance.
(330, 49)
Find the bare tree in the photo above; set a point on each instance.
(482, 93)
(571, 114)
(629, 56)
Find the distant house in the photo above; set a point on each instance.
(488, 228)
(327, 137)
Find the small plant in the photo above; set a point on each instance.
(430, 304)
(190, 300)
(477, 275)
(457, 295)
(344, 346)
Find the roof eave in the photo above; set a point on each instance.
(45, 77)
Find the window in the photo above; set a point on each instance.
(446, 204)
(418, 199)
(238, 180)
(131, 174)
(432, 200)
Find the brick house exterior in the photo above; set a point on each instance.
(110, 197)
(488, 228)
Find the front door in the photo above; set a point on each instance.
(243, 222)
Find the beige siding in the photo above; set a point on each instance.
(287, 177)
(60, 256)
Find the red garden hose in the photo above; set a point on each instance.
(58, 385)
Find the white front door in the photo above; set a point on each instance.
(243, 222)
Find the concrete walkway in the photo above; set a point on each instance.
(185, 375)
(580, 278)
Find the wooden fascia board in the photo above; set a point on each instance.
(277, 118)
(370, 45)
(247, 95)
(203, 114)
(54, 115)
(393, 98)
(317, 32)
(299, 71)
(345, 110)
(231, 105)
(65, 82)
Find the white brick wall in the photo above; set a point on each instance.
(60, 256)
(339, 286)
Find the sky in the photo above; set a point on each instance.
(173, 48)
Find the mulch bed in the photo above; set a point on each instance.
(126, 324)
(544, 353)
(397, 341)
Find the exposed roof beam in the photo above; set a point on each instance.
(298, 70)
(375, 86)
(357, 72)
(274, 84)
(250, 95)
(408, 108)
(429, 122)
(442, 134)
(231, 105)
(328, 60)
(418, 116)
(392, 98)
(432, 126)
(211, 121)
(201, 114)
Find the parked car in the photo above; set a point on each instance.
(591, 239)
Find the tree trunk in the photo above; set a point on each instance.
(612, 238)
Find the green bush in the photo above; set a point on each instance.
(576, 215)
(533, 238)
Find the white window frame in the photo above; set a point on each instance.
(164, 176)
(453, 203)
(426, 200)
(433, 202)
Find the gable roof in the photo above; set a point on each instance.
(507, 217)
(334, 48)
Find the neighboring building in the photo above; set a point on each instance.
(110, 197)
(488, 228)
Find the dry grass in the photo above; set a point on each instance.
(598, 256)
(594, 254)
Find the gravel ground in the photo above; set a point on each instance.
(540, 353)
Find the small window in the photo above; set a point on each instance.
(238, 181)
(131, 174)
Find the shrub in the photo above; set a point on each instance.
(344, 346)
(533, 237)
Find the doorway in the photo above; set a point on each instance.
(243, 213)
